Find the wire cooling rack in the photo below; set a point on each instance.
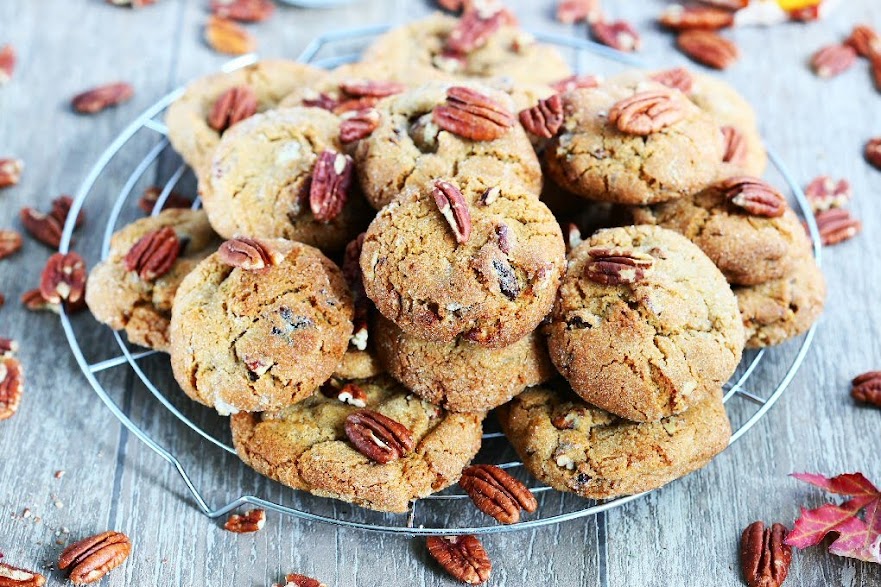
(142, 150)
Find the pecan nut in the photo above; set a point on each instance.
(250, 521)
(43, 227)
(677, 78)
(132, 3)
(647, 112)
(872, 153)
(836, 225)
(331, 180)
(225, 36)
(708, 48)
(620, 35)
(463, 557)
(454, 208)
(63, 279)
(573, 11)
(34, 301)
(472, 115)
(61, 207)
(97, 99)
(824, 193)
(617, 266)
(833, 60)
(154, 254)
(865, 41)
(7, 63)
(575, 82)
(298, 580)
(11, 386)
(764, 557)
(10, 172)
(150, 198)
(349, 393)
(15, 577)
(355, 278)
(10, 243)
(754, 195)
(476, 26)
(92, 558)
(371, 88)
(682, 18)
(243, 10)
(496, 493)
(231, 107)
(867, 388)
(250, 254)
(545, 118)
(735, 146)
(8, 347)
(358, 124)
(378, 437)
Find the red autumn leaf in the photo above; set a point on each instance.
(847, 484)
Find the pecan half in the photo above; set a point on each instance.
(764, 558)
(754, 195)
(833, 60)
(572, 11)
(250, 254)
(617, 266)
(322, 100)
(298, 580)
(496, 493)
(34, 301)
(735, 146)
(876, 71)
(371, 88)
(378, 437)
(92, 558)
(354, 104)
(708, 48)
(154, 254)
(677, 78)
(352, 273)
(472, 115)
(231, 107)
(11, 386)
(63, 279)
(97, 99)
(10, 172)
(243, 10)
(43, 227)
(358, 124)
(620, 35)
(150, 197)
(8, 347)
(681, 18)
(331, 180)
(15, 577)
(476, 26)
(867, 388)
(349, 393)
(10, 243)
(824, 193)
(575, 82)
(872, 153)
(132, 3)
(454, 208)
(7, 63)
(545, 118)
(836, 225)
(463, 557)
(61, 209)
(225, 36)
(646, 112)
(865, 41)
(250, 521)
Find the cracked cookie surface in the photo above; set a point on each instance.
(124, 301)
(305, 447)
(652, 348)
(259, 340)
(575, 447)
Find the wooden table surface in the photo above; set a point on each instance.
(685, 534)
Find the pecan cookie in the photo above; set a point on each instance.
(645, 326)
(636, 144)
(269, 178)
(408, 149)
(461, 376)
(575, 447)
(349, 87)
(260, 339)
(304, 446)
(265, 83)
(138, 302)
(445, 261)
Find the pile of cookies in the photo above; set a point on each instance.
(380, 261)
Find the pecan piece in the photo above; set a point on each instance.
(617, 266)
(644, 113)
(824, 193)
(43, 227)
(10, 172)
(250, 254)
(63, 279)
(876, 71)
(225, 36)
(833, 60)
(322, 100)
(575, 82)
(867, 388)
(572, 11)
(92, 558)
(355, 279)
(463, 557)
(454, 208)
(154, 254)
(764, 557)
(371, 88)
(15, 577)
(331, 180)
(735, 146)
(496, 493)
(250, 521)
(11, 386)
(620, 35)
(545, 118)
(872, 153)
(8, 347)
(10, 243)
(231, 107)
(472, 115)
(573, 237)
(7, 63)
(150, 198)
(358, 124)
(61, 207)
(348, 394)
(298, 580)
(677, 78)
(378, 437)
(865, 41)
(836, 225)
(132, 3)
(34, 301)
(727, 4)
(476, 26)
(708, 48)
(683, 18)
(243, 10)
(97, 99)
(754, 195)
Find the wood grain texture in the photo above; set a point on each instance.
(685, 534)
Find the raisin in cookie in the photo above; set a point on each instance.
(304, 446)
(575, 447)
(260, 339)
(121, 297)
(645, 326)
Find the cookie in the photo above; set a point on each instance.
(461, 376)
(778, 310)
(592, 157)
(124, 300)
(350, 86)
(578, 448)
(261, 180)
(422, 51)
(305, 447)
(747, 248)
(358, 364)
(253, 340)
(658, 337)
(408, 150)
(489, 274)
(187, 117)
